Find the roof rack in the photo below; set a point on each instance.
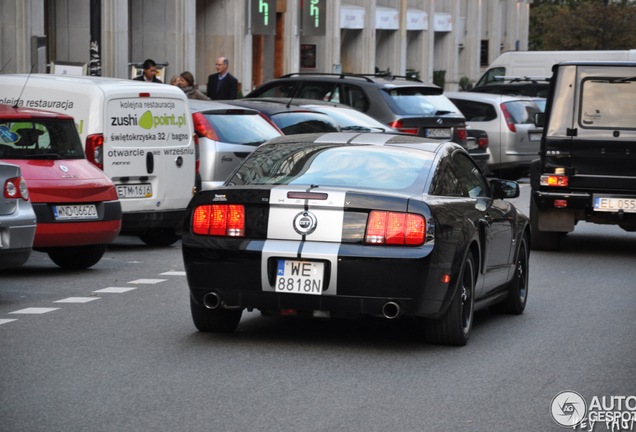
(341, 76)
(532, 79)
(392, 77)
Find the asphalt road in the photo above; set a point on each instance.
(130, 359)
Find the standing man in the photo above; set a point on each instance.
(222, 85)
(150, 70)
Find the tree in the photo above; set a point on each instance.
(582, 25)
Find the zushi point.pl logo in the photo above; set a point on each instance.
(148, 121)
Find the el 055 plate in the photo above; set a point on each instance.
(75, 212)
(438, 133)
(628, 205)
(143, 190)
(300, 277)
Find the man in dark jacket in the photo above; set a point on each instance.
(150, 72)
(222, 85)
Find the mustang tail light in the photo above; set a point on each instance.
(510, 121)
(461, 133)
(399, 125)
(203, 127)
(482, 143)
(95, 150)
(219, 220)
(395, 228)
(16, 187)
(554, 180)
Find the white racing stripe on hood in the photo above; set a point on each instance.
(329, 215)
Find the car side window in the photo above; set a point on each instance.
(472, 179)
(475, 111)
(356, 98)
(317, 90)
(447, 183)
(284, 90)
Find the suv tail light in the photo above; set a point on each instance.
(16, 187)
(395, 228)
(461, 133)
(197, 152)
(95, 150)
(399, 125)
(219, 220)
(554, 180)
(203, 127)
(510, 121)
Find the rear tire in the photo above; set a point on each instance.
(77, 257)
(515, 302)
(542, 240)
(214, 320)
(455, 327)
(160, 238)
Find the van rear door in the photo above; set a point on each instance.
(604, 146)
(148, 150)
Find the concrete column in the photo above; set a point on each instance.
(493, 33)
(429, 43)
(368, 55)
(185, 37)
(21, 20)
(333, 35)
(115, 39)
(402, 39)
(292, 37)
(472, 39)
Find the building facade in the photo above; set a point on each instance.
(264, 39)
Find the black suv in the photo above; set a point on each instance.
(404, 103)
(587, 170)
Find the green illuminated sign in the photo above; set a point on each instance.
(263, 14)
(314, 13)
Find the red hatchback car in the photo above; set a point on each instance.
(76, 204)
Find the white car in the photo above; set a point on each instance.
(514, 140)
(227, 135)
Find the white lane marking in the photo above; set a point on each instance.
(115, 290)
(34, 311)
(173, 273)
(147, 281)
(77, 300)
(4, 321)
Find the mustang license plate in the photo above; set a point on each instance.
(300, 277)
(438, 133)
(143, 190)
(71, 212)
(628, 205)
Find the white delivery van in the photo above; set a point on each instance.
(539, 63)
(139, 133)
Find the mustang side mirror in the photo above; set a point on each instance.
(539, 119)
(502, 189)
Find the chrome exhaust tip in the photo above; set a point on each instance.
(391, 310)
(212, 300)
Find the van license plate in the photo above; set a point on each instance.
(299, 277)
(628, 205)
(74, 212)
(535, 136)
(135, 191)
(438, 133)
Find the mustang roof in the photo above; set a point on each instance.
(358, 138)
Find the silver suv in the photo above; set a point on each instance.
(513, 139)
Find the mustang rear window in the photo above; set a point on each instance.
(39, 138)
(356, 166)
(608, 103)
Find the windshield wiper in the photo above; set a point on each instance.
(442, 112)
(623, 80)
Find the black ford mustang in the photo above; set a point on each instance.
(352, 224)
